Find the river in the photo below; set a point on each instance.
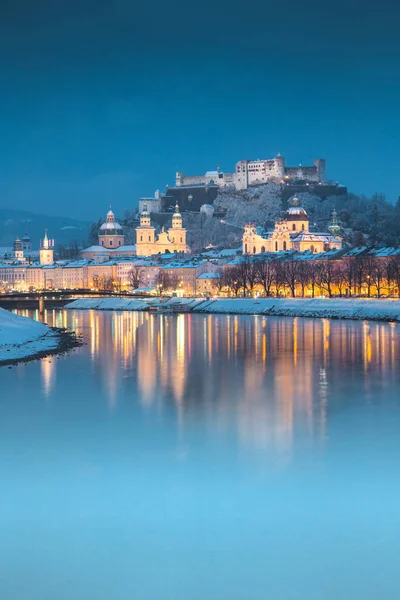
(197, 457)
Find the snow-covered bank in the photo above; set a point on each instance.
(107, 304)
(337, 308)
(23, 339)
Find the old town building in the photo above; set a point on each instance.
(291, 233)
(149, 243)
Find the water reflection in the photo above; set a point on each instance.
(268, 380)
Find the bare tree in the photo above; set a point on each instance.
(326, 276)
(340, 278)
(291, 273)
(303, 276)
(134, 277)
(265, 274)
(349, 273)
(167, 281)
(312, 275)
(280, 277)
(393, 273)
(232, 279)
(378, 275)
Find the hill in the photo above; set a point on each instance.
(64, 230)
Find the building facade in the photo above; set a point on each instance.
(292, 233)
(148, 243)
(248, 173)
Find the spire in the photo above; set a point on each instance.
(177, 211)
(295, 201)
(45, 240)
(334, 227)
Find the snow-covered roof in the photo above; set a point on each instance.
(127, 248)
(96, 248)
(309, 236)
(209, 276)
(296, 210)
(110, 227)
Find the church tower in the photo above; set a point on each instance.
(26, 243)
(145, 235)
(18, 253)
(46, 251)
(334, 227)
(177, 234)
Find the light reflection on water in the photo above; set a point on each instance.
(206, 457)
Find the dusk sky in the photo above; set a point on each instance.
(101, 102)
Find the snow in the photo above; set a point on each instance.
(21, 337)
(107, 304)
(335, 308)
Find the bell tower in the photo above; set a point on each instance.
(18, 252)
(46, 251)
(177, 233)
(145, 235)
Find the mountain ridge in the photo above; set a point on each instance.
(64, 230)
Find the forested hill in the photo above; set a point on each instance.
(371, 221)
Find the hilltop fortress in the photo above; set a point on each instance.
(257, 172)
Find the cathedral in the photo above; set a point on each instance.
(148, 243)
(292, 233)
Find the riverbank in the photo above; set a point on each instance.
(335, 308)
(107, 304)
(22, 339)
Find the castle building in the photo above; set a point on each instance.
(148, 243)
(291, 233)
(110, 233)
(248, 173)
(151, 204)
(46, 252)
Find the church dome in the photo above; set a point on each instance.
(111, 226)
(296, 212)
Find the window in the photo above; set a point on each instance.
(119, 242)
(181, 241)
(294, 226)
(141, 238)
(254, 249)
(262, 248)
(276, 246)
(149, 239)
(245, 248)
(303, 227)
(110, 242)
(284, 246)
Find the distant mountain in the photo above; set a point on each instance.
(63, 230)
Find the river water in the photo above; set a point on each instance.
(200, 457)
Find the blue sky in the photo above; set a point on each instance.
(102, 102)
